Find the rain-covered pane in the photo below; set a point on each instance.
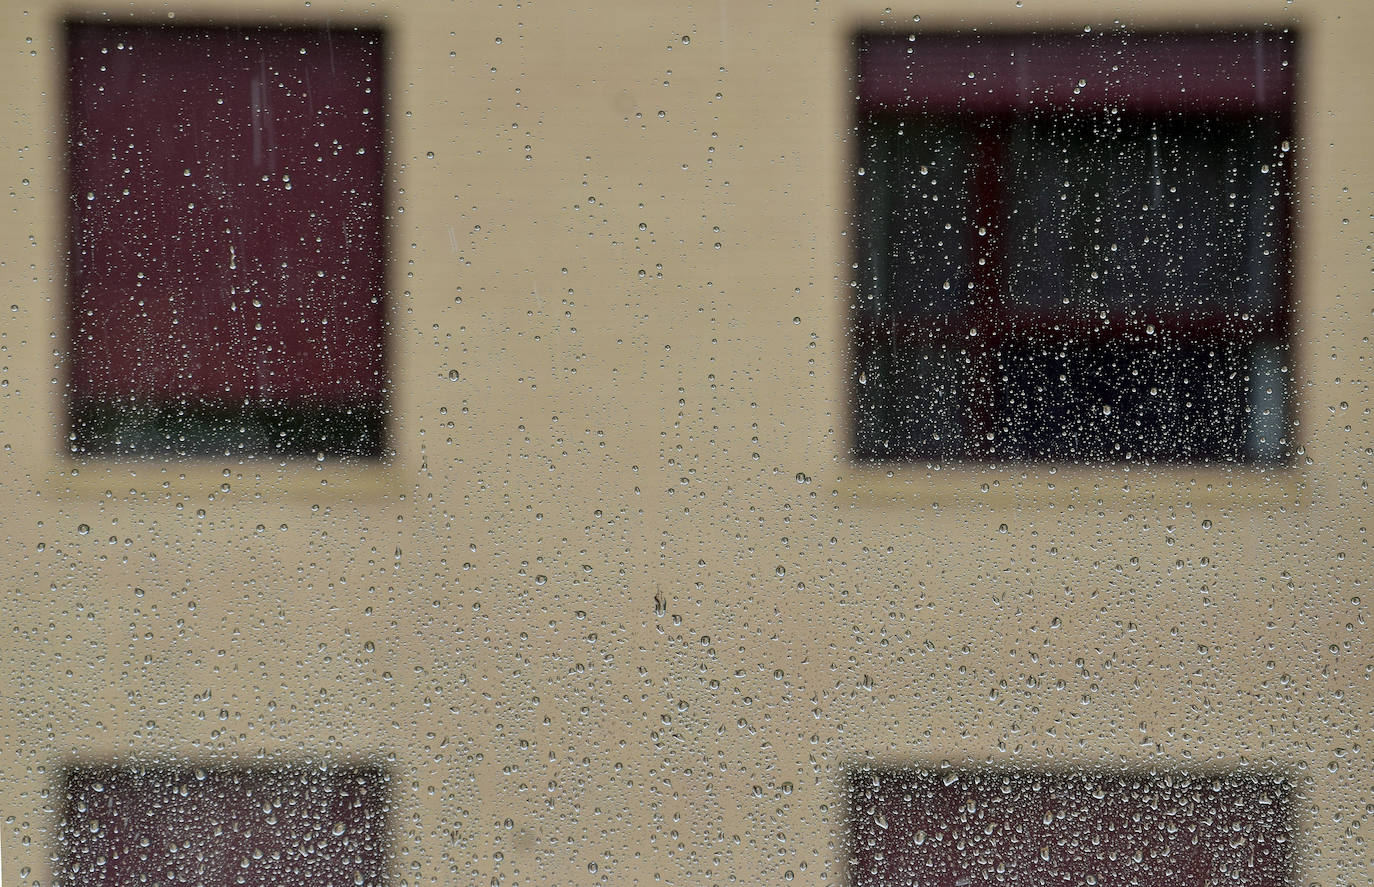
(1151, 216)
(1088, 277)
(954, 827)
(227, 241)
(257, 826)
(514, 444)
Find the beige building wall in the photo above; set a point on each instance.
(620, 610)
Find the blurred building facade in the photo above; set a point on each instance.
(620, 606)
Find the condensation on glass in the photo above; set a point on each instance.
(259, 826)
(227, 248)
(958, 826)
(1067, 256)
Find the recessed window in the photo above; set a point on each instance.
(1074, 248)
(136, 826)
(227, 268)
(956, 827)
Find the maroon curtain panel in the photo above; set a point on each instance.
(227, 215)
(1021, 73)
(224, 827)
(950, 828)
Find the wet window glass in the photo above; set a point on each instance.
(156, 824)
(1112, 828)
(227, 241)
(726, 443)
(1090, 274)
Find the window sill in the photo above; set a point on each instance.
(257, 480)
(969, 487)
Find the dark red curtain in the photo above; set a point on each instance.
(1019, 73)
(950, 828)
(227, 215)
(224, 827)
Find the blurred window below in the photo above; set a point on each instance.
(134, 826)
(954, 827)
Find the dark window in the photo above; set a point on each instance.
(1074, 248)
(950, 828)
(131, 826)
(227, 252)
